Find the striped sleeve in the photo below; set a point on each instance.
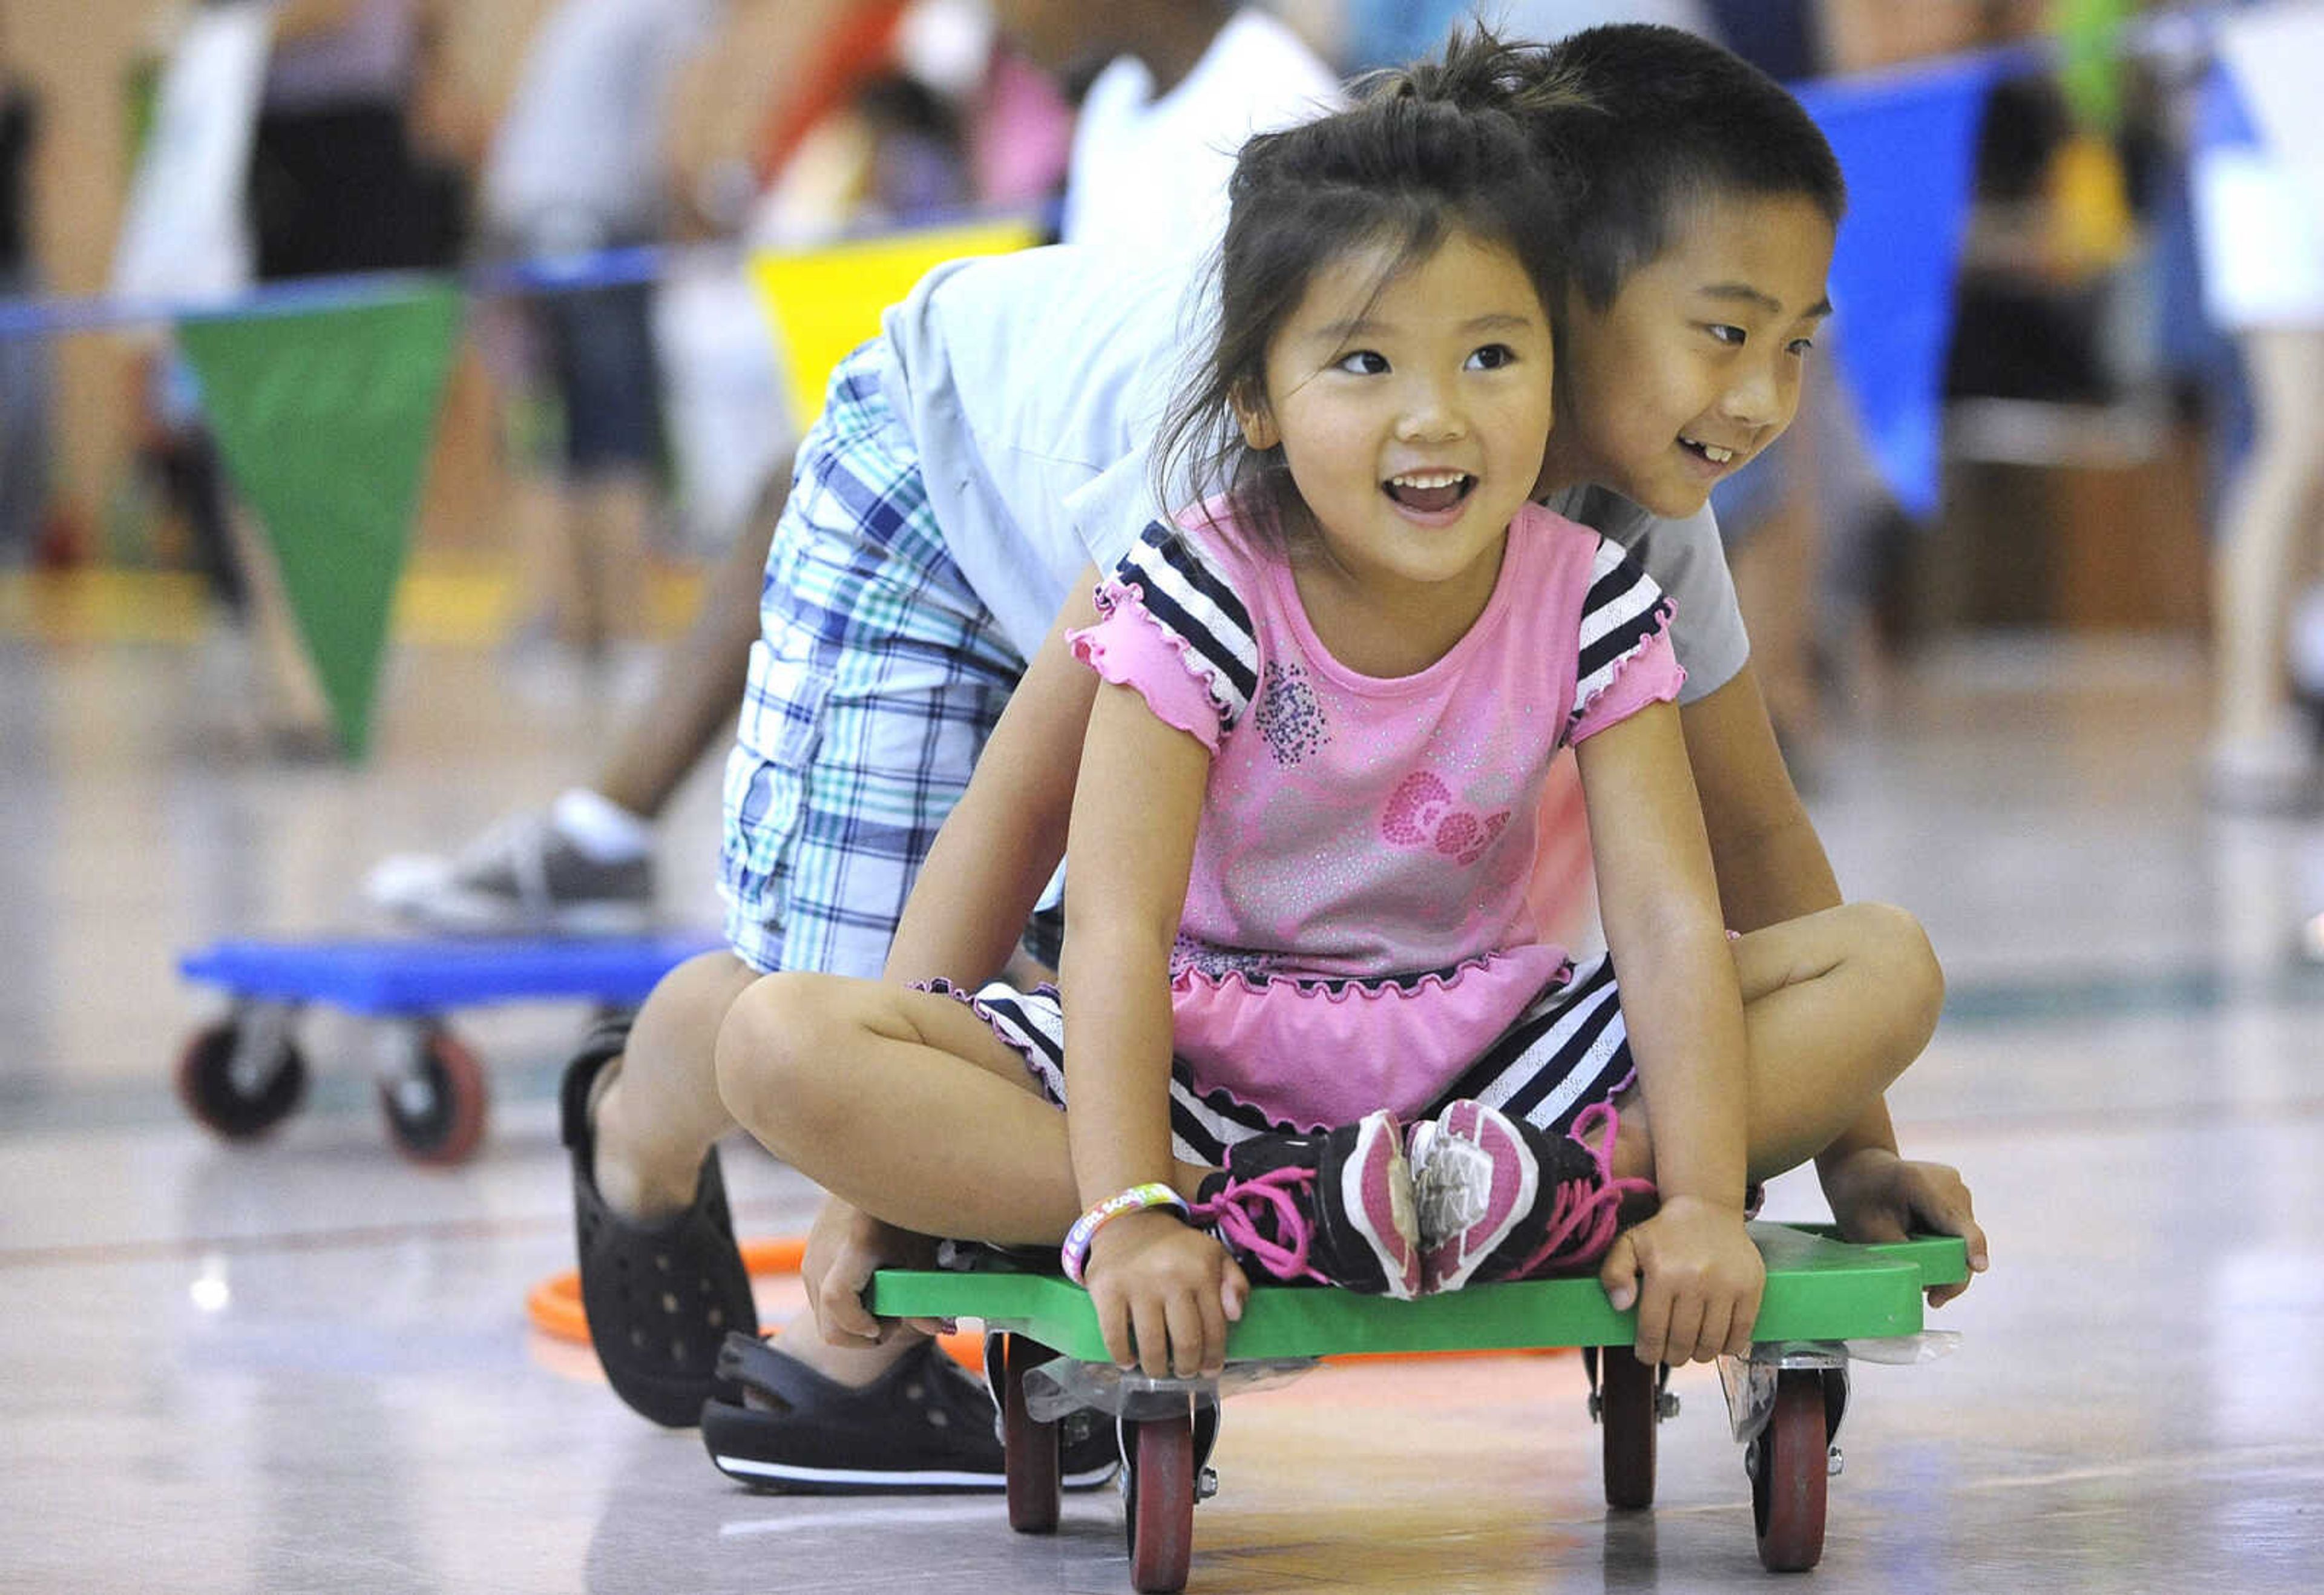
(1625, 654)
(1171, 626)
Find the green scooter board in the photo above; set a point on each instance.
(1819, 1288)
(1785, 1400)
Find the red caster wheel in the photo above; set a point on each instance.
(1629, 1402)
(1029, 1447)
(242, 1076)
(435, 1111)
(1790, 1463)
(1160, 1508)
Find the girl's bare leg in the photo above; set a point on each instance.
(903, 1105)
(1835, 1005)
(907, 1105)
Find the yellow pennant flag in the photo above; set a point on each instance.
(823, 302)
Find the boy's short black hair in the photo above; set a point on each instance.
(1674, 120)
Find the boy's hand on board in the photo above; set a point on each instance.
(1876, 1195)
(1695, 1276)
(845, 1247)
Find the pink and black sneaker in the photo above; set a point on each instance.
(1499, 1199)
(1334, 1207)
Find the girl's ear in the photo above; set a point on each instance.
(1256, 421)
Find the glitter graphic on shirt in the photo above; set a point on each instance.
(1420, 814)
(1289, 715)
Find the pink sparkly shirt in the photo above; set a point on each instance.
(1356, 930)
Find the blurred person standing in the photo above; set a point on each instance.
(345, 175)
(581, 163)
(186, 236)
(2259, 210)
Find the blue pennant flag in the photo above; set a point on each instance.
(1907, 142)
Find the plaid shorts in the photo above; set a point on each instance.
(1566, 1051)
(877, 677)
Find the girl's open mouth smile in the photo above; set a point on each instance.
(1429, 492)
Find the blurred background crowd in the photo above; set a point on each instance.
(2134, 429)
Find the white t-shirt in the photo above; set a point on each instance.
(2258, 171)
(1149, 176)
(577, 162)
(1033, 384)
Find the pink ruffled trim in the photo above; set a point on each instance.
(1663, 689)
(1310, 988)
(1143, 641)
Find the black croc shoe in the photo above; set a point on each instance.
(660, 1295)
(927, 1425)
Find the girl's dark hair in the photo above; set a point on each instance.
(1447, 145)
(1666, 121)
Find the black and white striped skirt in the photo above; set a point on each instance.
(1565, 1051)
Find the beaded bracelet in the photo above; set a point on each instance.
(1074, 1253)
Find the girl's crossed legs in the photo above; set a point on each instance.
(907, 1105)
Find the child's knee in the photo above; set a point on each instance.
(766, 1048)
(1907, 968)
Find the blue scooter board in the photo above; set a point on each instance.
(244, 1074)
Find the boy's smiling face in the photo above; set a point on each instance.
(1696, 366)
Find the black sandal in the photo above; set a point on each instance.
(660, 1295)
(925, 1425)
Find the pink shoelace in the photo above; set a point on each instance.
(1587, 1212)
(1236, 1212)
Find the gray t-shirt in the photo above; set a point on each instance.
(1033, 384)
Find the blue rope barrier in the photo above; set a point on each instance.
(51, 315)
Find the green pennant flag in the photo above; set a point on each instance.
(325, 417)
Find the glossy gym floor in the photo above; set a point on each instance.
(306, 1365)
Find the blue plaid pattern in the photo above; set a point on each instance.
(877, 677)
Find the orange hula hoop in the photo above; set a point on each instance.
(554, 1304)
